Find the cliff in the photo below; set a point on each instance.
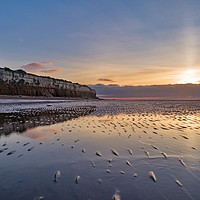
(18, 82)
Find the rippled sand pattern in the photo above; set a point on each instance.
(122, 150)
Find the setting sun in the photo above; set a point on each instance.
(189, 76)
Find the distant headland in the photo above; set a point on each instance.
(18, 82)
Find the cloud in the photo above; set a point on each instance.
(51, 71)
(41, 67)
(154, 91)
(105, 80)
(35, 66)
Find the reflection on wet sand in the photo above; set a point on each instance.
(26, 119)
(148, 150)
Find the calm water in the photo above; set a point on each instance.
(142, 133)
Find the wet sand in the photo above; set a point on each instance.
(103, 150)
(17, 104)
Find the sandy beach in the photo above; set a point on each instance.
(96, 149)
(10, 104)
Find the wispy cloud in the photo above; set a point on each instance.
(41, 67)
(51, 71)
(105, 80)
(35, 66)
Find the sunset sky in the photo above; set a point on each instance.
(123, 42)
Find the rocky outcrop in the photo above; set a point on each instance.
(18, 82)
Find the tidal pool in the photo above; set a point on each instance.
(112, 150)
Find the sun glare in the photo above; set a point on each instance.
(189, 76)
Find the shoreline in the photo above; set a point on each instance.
(43, 97)
(16, 104)
(21, 97)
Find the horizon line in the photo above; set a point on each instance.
(150, 98)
